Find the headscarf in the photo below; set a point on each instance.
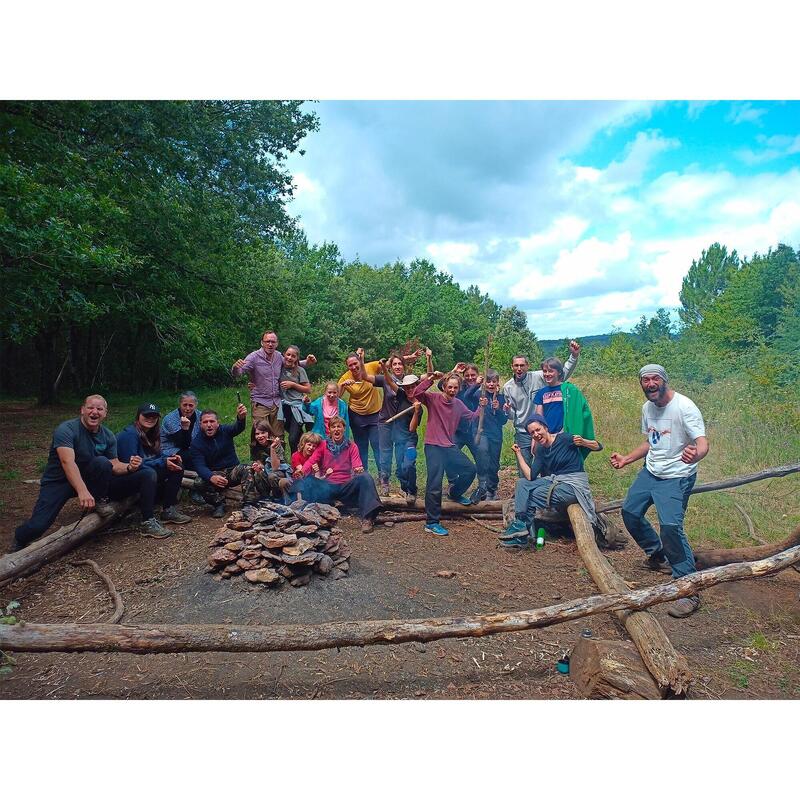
(653, 369)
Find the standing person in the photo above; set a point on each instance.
(442, 455)
(491, 441)
(393, 373)
(364, 402)
(342, 476)
(178, 429)
(294, 386)
(675, 442)
(468, 394)
(325, 408)
(83, 462)
(519, 392)
(143, 439)
(263, 368)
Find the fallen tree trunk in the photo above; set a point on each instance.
(716, 558)
(668, 668)
(448, 506)
(66, 538)
(36, 638)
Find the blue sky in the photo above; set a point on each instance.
(585, 214)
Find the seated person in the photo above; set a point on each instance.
(215, 459)
(561, 480)
(344, 477)
(143, 439)
(83, 462)
(272, 477)
(178, 429)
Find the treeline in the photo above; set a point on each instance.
(147, 245)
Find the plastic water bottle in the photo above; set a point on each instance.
(540, 539)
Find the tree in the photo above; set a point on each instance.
(706, 280)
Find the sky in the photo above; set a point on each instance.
(584, 214)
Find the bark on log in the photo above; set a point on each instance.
(669, 669)
(608, 670)
(66, 538)
(448, 506)
(35, 638)
(716, 558)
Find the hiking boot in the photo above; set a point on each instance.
(16, 546)
(658, 563)
(491, 494)
(196, 497)
(171, 514)
(478, 495)
(436, 529)
(367, 526)
(410, 499)
(684, 607)
(462, 500)
(516, 541)
(219, 511)
(384, 490)
(154, 529)
(104, 508)
(516, 529)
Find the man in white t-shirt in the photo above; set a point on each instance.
(676, 441)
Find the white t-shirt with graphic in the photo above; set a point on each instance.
(669, 430)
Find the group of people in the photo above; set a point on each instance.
(330, 438)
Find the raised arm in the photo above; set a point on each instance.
(574, 354)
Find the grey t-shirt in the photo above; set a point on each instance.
(86, 445)
(293, 395)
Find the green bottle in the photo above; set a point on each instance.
(540, 539)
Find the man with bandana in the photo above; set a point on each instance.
(676, 441)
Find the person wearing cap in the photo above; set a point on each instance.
(162, 473)
(555, 479)
(519, 393)
(82, 462)
(675, 442)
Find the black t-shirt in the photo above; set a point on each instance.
(86, 445)
(561, 457)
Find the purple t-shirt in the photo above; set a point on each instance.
(443, 416)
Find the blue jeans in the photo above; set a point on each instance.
(489, 462)
(670, 497)
(460, 472)
(530, 495)
(523, 439)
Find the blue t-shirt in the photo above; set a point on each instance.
(87, 445)
(552, 402)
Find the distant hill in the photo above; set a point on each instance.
(555, 346)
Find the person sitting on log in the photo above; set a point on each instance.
(343, 476)
(178, 429)
(271, 476)
(676, 441)
(83, 462)
(309, 442)
(143, 439)
(555, 479)
(324, 409)
(491, 440)
(294, 387)
(442, 455)
(214, 454)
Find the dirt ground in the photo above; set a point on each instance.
(743, 643)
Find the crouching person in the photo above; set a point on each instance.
(342, 476)
(143, 439)
(215, 459)
(83, 462)
(555, 479)
(271, 476)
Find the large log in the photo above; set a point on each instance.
(716, 558)
(603, 669)
(66, 538)
(668, 668)
(448, 506)
(35, 638)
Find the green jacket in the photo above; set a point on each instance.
(577, 414)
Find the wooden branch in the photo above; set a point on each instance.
(728, 483)
(77, 637)
(669, 669)
(119, 606)
(716, 558)
(750, 527)
(484, 525)
(448, 506)
(401, 414)
(66, 538)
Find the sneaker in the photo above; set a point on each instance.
(684, 607)
(218, 512)
(104, 508)
(514, 530)
(367, 526)
(411, 499)
(436, 529)
(658, 563)
(478, 495)
(171, 514)
(516, 542)
(196, 497)
(462, 500)
(154, 529)
(384, 490)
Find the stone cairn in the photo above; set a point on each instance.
(269, 543)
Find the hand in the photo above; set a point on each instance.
(382, 362)
(241, 411)
(495, 404)
(276, 443)
(516, 448)
(689, 454)
(329, 471)
(360, 353)
(574, 348)
(250, 386)
(185, 423)
(134, 463)
(306, 398)
(479, 380)
(460, 367)
(617, 461)
(437, 375)
(579, 441)
(311, 359)
(357, 470)
(483, 402)
(239, 363)
(315, 469)
(257, 466)
(428, 352)
(219, 481)
(420, 351)
(298, 472)
(86, 500)
(174, 463)
(507, 407)
(348, 382)
(417, 406)
(287, 385)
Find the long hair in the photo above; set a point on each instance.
(151, 440)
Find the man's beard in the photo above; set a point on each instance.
(660, 392)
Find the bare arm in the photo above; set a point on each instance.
(693, 453)
(387, 376)
(415, 415)
(523, 464)
(619, 461)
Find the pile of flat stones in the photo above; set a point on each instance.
(269, 544)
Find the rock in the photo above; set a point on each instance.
(304, 529)
(330, 549)
(300, 547)
(276, 540)
(445, 573)
(223, 536)
(245, 564)
(301, 580)
(344, 566)
(271, 555)
(335, 574)
(323, 564)
(221, 557)
(241, 525)
(251, 552)
(344, 549)
(235, 516)
(232, 569)
(323, 535)
(268, 576)
(337, 559)
(284, 522)
(388, 524)
(286, 571)
(234, 547)
(303, 558)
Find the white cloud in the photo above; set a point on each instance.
(772, 147)
(447, 253)
(745, 112)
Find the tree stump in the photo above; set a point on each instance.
(608, 670)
